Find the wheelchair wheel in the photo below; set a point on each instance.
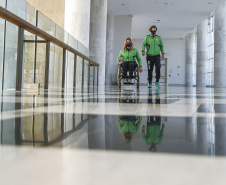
(119, 75)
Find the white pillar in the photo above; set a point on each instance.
(201, 70)
(98, 29)
(220, 46)
(190, 58)
(77, 20)
(109, 50)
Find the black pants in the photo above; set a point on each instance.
(153, 60)
(152, 121)
(128, 65)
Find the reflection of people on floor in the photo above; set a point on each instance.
(157, 97)
(154, 133)
(128, 126)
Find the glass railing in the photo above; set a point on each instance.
(65, 69)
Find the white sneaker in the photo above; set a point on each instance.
(129, 80)
(125, 80)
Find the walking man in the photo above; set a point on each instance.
(153, 44)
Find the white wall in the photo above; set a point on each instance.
(122, 30)
(175, 54)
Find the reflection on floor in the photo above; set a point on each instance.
(167, 122)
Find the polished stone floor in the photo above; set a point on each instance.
(105, 135)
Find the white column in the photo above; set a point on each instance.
(190, 59)
(98, 29)
(201, 70)
(77, 20)
(109, 50)
(220, 46)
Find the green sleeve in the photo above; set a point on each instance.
(144, 137)
(161, 46)
(144, 44)
(119, 56)
(138, 126)
(161, 135)
(139, 59)
(120, 127)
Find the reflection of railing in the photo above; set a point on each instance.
(24, 25)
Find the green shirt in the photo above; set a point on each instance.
(129, 126)
(153, 45)
(153, 135)
(130, 56)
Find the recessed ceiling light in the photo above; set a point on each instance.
(209, 3)
(122, 4)
(158, 20)
(165, 3)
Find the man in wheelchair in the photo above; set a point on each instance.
(128, 56)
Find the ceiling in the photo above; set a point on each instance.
(174, 18)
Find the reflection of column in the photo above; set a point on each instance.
(190, 58)
(201, 70)
(220, 136)
(202, 131)
(77, 19)
(109, 53)
(191, 122)
(98, 24)
(191, 128)
(220, 46)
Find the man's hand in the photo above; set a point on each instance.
(143, 53)
(121, 122)
(140, 69)
(143, 128)
(163, 56)
(121, 58)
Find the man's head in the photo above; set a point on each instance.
(152, 148)
(128, 137)
(153, 29)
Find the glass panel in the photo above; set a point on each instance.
(58, 67)
(70, 71)
(40, 64)
(39, 128)
(31, 14)
(86, 74)
(80, 47)
(91, 76)
(17, 7)
(79, 73)
(29, 63)
(72, 42)
(45, 24)
(61, 34)
(54, 126)
(10, 63)
(28, 35)
(51, 65)
(2, 31)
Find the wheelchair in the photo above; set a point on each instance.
(136, 75)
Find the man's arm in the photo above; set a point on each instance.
(144, 46)
(120, 57)
(162, 47)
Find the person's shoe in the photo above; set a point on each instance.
(125, 80)
(157, 84)
(150, 85)
(129, 81)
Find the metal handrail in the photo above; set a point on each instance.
(14, 19)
